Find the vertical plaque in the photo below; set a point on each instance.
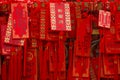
(104, 19)
(8, 34)
(117, 25)
(4, 70)
(20, 20)
(43, 20)
(60, 16)
(5, 48)
(108, 62)
(34, 14)
(83, 36)
(52, 57)
(31, 64)
(85, 67)
(119, 65)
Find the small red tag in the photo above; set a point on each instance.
(32, 43)
(104, 19)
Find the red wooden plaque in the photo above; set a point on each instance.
(31, 64)
(72, 33)
(117, 25)
(5, 48)
(83, 37)
(34, 21)
(60, 16)
(108, 62)
(8, 35)
(43, 20)
(20, 20)
(110, 43)
(52, 57)
(85, 67)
